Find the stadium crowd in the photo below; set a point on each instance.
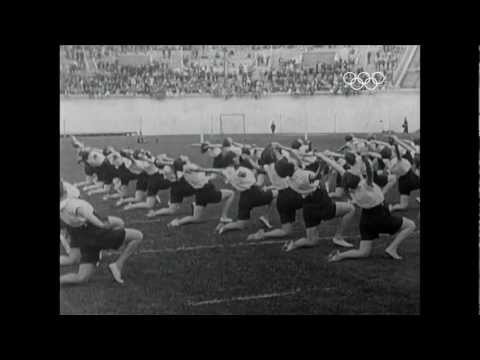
(254, 77)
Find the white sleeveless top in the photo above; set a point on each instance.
(241, 179)
(366, 196)
(300, 182)
(196, 179)
(278, 182)
(399, 168)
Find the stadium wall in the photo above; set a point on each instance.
(315, 114)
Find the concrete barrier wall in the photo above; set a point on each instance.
(320, 113)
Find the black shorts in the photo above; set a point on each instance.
(378, 220)
(125, 175)
(180, 189)
(208, 195)
(317, 207)
(91, 240)
(252, 198)
(155, 183)
(106, 173)
(380, 180)
(408, 183)
(288, 202)
(142, 182)
(218, 162)
(89, 170)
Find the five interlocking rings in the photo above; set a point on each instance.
(362, 80)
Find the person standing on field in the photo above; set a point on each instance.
(405, 126)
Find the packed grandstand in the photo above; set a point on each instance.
(222, 71)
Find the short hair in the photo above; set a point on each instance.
(349, 137)
(386, 153)
(204, 147)
(350, 181)
(296, 144)
(227, 142)
(178, 164)
(229, 158)
(284, 168)
(267, 156)
(350, 158)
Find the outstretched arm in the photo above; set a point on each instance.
(381, 143)
(404, 144)
(292, 153)
(206, 170)
(368, 166)
(333, 164)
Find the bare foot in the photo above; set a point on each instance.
(393, 254)
(334, 256)
(115, 273)
(341, 242)
(256, 236)
(289, 246)
(151, 214)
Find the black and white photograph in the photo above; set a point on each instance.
(240, 179)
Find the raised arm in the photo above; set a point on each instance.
(334, 154)
(404, 145)
(381, 143)
(331, 163)
(292, 153)
(369, 169)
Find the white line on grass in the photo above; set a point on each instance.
(218, 246)
(244, 298)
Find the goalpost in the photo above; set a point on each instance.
(232, 124)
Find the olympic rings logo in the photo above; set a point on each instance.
(363, 80)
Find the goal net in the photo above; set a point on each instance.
(232, 124)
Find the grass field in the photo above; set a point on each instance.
(192, 271)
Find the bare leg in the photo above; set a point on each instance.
(139, 196)
(403, 205)
(408, 226)
(148, 204)
(347, 211)
(285, 230)
(85, 271)
(133, 238)
(72, 258)
(195, 218)
(65, 240)
(310, 240)
(363, 251)
(105, 189)
(228, 196)
(236, 225)
(170, 210)
(120, 194)
(97, 185)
